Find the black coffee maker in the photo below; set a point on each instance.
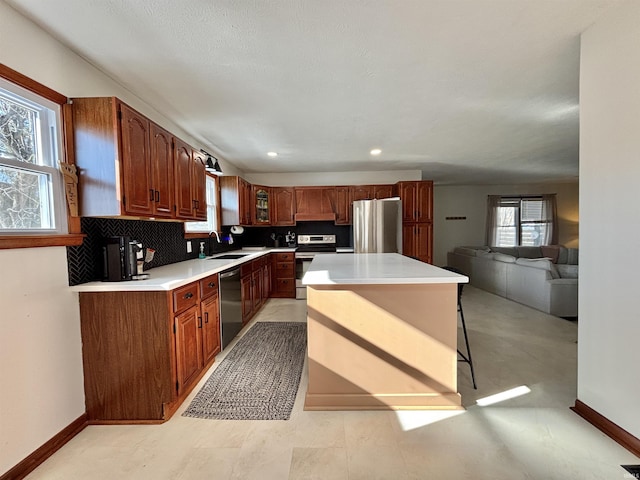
(119, 259)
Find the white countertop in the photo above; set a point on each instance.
(178, 274)
(375, 268)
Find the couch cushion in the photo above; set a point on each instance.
(551, 251)
(572, 256)
(529, 252)
(567, 271)
(562, 254)
(465, 251)
(513, 251)
(541, 263)
(501, 257)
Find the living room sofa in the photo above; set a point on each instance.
(544, 278)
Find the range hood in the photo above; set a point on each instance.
(318, 216)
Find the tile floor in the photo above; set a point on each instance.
(534, 436)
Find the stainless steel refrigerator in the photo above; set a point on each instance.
(377, 226)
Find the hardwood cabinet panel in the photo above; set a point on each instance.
(383, 191)
(361, 192)
(182, 174)
(343, 205)
(247, 299)
(199, 186)
(210, 310)
(189, 360)
(136, 163)
(283, 206)
(408, 196)
(424, 202)
(417, 241)
(283, 257)
(127, 355)
(235, 201)
(283, 273)
(185, 297)
(256, 290)
(161, 148)
(209, 286)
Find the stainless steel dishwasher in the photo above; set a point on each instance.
(230, 305)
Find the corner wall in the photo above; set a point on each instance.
(608, 377)
(471, 202)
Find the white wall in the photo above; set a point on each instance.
(471, 201)
(41, 380)
(608, 374)
(40, 354)
(332, 178)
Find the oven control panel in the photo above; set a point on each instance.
(316, 239)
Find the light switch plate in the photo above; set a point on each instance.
(189, 247)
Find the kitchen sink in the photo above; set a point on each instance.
(230, 256)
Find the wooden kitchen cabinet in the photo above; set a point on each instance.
(417, 241)
(190, 183)
(235, 200)
(383, 191)
(143, 352)
(343, 205)
(417, 201)
(284, 204)
(260, 205)
(125, 163)
(283, 274)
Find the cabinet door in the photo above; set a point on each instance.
(162, 171)
(136, 168)
(423, 241)
(199, 187)
(188, 346)
(424, 202)
(408, 196)
(361, 192)
(266, 281)
(247, 300)
(283, 206)
(245, 202)
(256, 289)
(210, 328)
(382, 191)
(260, 205)
(408, 240)
(343, 205)
(182, 167)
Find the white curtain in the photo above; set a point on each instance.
(493, 202)
(550, 216)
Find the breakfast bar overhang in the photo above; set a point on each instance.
(382, 333)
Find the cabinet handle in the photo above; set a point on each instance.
(193, 204)
(188, 295)
(157, 195)
(199, 322)
(151, 192)
(212, 284)
(206, 317)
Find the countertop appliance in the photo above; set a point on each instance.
(120, 258)
(377, 226)
(230, 305)
(308, 247)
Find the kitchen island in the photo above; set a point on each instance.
(382, 333)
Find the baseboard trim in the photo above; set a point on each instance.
(29, 464)
(606, 426)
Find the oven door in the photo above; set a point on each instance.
(303, 260)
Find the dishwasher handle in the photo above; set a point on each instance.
(230, 273)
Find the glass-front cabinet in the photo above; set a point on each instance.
(261, 205)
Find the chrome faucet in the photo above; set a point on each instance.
(209, 242)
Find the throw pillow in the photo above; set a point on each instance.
(529, 252)
(541, 263)
(551, 251)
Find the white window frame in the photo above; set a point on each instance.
(211, 224)
(50, 148)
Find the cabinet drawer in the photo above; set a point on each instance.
(285, 269)
(246, 269)
(257, 264)
(209, 286)
(285, 286)
(185, 297)
(284, 257)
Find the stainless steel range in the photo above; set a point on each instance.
(308, 247)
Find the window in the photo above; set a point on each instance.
(521, 221)
(213, 218)
(31, 188)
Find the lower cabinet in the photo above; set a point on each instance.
(255, 286)
(417, 241)
(283, 274)
(143, 352)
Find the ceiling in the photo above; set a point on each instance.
(468, 91)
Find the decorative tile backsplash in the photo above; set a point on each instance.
(167, 239)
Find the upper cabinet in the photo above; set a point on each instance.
(260, 205)
(284, 206)
(190, 182)
(127, 165)
(235, 200)
(417, 201)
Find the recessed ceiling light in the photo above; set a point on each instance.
(272, 154)
(376, 151)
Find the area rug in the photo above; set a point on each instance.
(259, 377)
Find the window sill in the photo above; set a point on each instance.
(190, 235)
(33, 241)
